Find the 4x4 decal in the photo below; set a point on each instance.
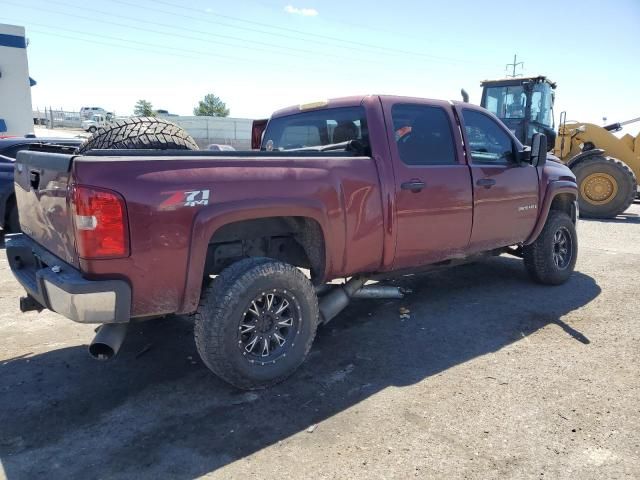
(190, 198)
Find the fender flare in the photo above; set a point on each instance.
(584, 155)
(208, 221)
(554, 189)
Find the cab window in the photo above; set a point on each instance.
(506, 102)
(317, 128)
(423, 135)
(486, 140)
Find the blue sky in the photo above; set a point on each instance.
(259, 55)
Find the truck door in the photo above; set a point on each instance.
(505, 192)
(433, 203)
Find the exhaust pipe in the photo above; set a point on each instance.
(337, 299)
(332, 303)
(378, 291)
(108, 340)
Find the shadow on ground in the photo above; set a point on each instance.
(156, 411)
(622, 218)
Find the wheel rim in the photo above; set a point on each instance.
(269, 327)
(599, 188)
(562, 248)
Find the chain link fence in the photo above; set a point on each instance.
(235, 132)
(57, 118)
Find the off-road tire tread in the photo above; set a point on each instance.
(219, 299)
(536, 257)
(140, 132)
(626, 182)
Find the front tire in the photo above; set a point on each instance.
(256, 322)
(551, 258)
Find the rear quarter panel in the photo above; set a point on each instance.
(169, 243)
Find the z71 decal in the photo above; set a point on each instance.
(191, 198)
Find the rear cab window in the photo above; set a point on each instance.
(317, 129)
(13, 150)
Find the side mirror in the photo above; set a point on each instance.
(538, 150)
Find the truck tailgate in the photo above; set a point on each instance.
(41, 184)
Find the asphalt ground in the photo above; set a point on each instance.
(491, 376)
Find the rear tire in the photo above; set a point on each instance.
(256, 350)
(551, 258)
(607, 187)
(138, 133)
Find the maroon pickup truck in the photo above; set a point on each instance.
(138, 224)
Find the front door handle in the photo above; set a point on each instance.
(486, 182)
(414, 185)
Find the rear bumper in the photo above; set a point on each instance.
(61, 288)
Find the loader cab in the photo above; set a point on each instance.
(524, 104)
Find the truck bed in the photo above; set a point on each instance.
(338, 190)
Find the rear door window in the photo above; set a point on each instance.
(317, 128)
(423, 135)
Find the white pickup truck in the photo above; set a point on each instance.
(96, 121)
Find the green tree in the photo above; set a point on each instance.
(143, 108)
(211, 106)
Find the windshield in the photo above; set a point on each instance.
(506, 102)
(511, 103)
(316, 128)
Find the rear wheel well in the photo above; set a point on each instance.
(298, 241)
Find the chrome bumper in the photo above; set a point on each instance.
(60, 287)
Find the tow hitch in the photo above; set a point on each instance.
(29, 304)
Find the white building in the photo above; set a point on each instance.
(222, 130)
(15, 84)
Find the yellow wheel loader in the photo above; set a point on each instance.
(606, 167)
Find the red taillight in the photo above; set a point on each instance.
(100, 223)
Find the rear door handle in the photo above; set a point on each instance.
(486, 182)
(414, 185)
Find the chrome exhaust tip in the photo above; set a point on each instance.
(107, 342)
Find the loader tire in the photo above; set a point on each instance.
(256, 322)
(140, 133)
(607, 186)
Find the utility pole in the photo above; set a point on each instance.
(514, 65)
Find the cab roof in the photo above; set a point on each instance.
(517, 81)
(352, 101)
